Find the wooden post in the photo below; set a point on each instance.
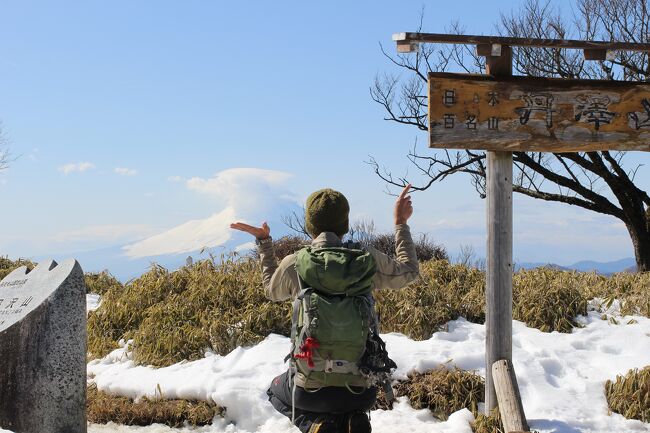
(507, 391)
(498, 291)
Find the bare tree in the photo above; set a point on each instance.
(296, 222)
(4, 150)
(597, 181)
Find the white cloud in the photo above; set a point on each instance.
(79, 166)
(105, 233)
(122, 171)
(246, 189)
(175, 179)
(240, 194)
(85, 238)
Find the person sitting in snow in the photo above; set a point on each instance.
(335, 370)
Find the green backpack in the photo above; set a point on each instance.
(334, 323)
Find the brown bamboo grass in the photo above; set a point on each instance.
(172, 316)
(101, 282)
(488, 423)
(7, 265)
(221, 306)
(445, 390)
(210, 305)
(218, 306)
(102, 408)
(629, 394)
(548, 300)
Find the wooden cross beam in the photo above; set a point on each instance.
(490, 45)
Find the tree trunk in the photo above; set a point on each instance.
(640, 234)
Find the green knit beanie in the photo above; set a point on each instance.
(326, 211)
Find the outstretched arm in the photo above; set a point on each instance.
(276, 278)
(259, 232)
(398, 272)
(265, 248)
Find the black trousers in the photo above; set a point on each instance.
(331, 402)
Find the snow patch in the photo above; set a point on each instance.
(561, 378)
(93, 301)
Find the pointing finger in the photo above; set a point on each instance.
(404, 191)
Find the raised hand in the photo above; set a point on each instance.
(259, 232)
(403, 206)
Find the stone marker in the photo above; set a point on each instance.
(43, 349)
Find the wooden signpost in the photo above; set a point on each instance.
(537, 114)
(502, 114)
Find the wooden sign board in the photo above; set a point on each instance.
(523, 114)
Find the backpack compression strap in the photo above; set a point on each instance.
(294, 315)
(294, 332)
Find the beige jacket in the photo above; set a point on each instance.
(281, 281)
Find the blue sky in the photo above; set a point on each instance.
(126, 117)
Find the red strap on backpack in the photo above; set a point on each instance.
(307, 351)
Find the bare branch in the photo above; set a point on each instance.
(296, 222)
(597, 181)
(5, 155)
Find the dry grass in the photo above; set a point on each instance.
(102, 408)
(543, 298)
(172, 316)
(443, 292)
(632, 289)
(122, 311)
(285, 245)
(443, 391)
(7, 265)
(101, 282)
(488, 424)
(629, 395)
(547, 299)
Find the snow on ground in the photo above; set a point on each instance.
(561, 378)
(92, 303)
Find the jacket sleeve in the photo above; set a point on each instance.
(280, 281)
(398, 272)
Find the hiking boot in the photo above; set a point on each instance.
(357, 422)
(322, 425)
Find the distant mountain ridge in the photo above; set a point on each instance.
(125, 268)
(605, 268)
(115, 260)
